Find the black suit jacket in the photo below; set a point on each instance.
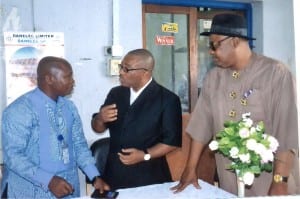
(154, 117)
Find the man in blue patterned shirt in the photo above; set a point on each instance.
(43, 140)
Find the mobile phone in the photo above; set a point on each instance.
(105, 195)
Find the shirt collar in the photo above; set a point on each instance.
(47, 99)
(135, 94)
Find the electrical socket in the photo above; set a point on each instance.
(107, 50)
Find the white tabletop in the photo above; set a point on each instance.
(162, 191)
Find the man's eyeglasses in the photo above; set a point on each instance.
(215, 45)
(126, 70)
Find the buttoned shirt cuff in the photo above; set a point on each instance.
(42, 178)
(91, 171)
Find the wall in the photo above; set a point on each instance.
(278, 31)
(87, 27)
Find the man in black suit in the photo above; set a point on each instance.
(145, 123)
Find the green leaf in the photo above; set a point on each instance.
(255, 169)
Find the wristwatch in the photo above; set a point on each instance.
(147, 155)
(279, 178)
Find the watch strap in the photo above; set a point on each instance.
(279, 178)
(145, 151)
(147, 155)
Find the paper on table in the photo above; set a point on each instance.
(162, 191)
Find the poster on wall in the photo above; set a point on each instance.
(23, 50)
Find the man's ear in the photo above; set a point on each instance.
(49, 79)
(236, 41)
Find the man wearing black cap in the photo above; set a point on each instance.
(226, 96)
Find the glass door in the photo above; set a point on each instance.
(166, 34)
(169, 47)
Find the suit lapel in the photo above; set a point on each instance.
(142, 100)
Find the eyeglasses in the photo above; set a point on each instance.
(126, 70)
(215, 45)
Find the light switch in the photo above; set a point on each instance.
(113, 66)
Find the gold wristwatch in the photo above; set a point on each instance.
(279, 178)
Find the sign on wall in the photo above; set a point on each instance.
(23, 50)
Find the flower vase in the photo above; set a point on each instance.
(240, 186)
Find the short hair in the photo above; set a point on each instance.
(145, 55)
(47, 63)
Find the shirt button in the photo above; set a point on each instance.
(232, 95)
(235, 74)
(232, 113)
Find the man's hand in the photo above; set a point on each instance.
(101, 185)
(188, 177)
(108, 113)
(60, 187)
(282, 165)
(131, 156)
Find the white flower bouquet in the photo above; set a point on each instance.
(250, 150)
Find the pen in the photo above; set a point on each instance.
(248, 93)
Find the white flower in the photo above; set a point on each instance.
(245, 158)
(264, 136)
(246, 142)
(266, 156)
(252, 130)
(234, 151)
(260, 149)
(213, 145)
(251, 144)
(273, 143)
(248, 178)
(258, 128)
(244, 132)
(246, 115)
(248, 122)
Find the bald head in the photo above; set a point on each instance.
(143, 56)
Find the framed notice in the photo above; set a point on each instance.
(23, 50)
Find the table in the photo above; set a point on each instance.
(162, 191)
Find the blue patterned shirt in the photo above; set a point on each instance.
(36, 131)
